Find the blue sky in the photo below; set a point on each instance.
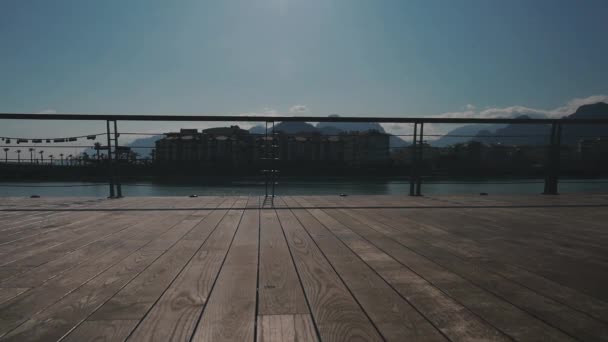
(318, 57)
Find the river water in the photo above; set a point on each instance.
(528, 186)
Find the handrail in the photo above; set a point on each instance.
(257, 118)
(417, 145)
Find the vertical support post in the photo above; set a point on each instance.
(558, 155)
(273, 147)
(265, 163)
(413, 166)
(117, 172)
(553, 160)
(419, 168)
(110, 170)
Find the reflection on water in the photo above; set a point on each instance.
(529, 186)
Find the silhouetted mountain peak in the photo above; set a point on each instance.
(591, 111)
(523, 117)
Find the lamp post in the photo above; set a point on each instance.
(6, 154)
(51, 157)
(32, 155)
(41, 157)
(61, 156)
(70, 159)
(18, 156)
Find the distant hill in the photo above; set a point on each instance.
(464, 134)
(523, 134)
(331, 128)
(145, 145)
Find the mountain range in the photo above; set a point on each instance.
(521, 134)
(524, 134)
(331, 128)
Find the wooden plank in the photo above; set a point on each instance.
(286, 328)
(38, 275)
(135, 299)
(26, 247)
(55, 321)
(337, 315)
(449, 316)
(556, 314)
(230, 313)
(500, 313)
(11, 292)
(506, 243)
(18, 309)
(15, 311)
(9, 272)
(280, 291)
(394, 317)
(176, 233)
(177, 312)
(101, 331)
(84, 237)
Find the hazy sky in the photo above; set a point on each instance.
(318, 57)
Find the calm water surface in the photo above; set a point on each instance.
(530, 186)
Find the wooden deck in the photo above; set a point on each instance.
(357, 268)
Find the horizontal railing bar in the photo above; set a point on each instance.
(234, 118)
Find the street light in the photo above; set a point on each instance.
(6, 154)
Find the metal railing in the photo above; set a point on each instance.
(417, 146)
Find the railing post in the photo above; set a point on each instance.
(413, 166)
(117, 172)
(553, 160)
(419, 168)
(266, 156)
(110, 170)
(273, 161)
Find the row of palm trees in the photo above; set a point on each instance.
(41, 152)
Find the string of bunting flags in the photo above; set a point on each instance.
(8, 140)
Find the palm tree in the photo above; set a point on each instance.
(51, 157)
(97, 147)
(61, 155)
(18, 156)
(41, 157)
(70, 159)
(6, 154)
(32, 154)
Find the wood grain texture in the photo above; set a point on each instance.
(500, 313)
(10, 292)
(58, 319)
(394, 317)
(368, 268)
(280, 291)
(286, 328)
(337, 314)
(135, 299)
(230, 313)
(177, 312)
(101, 331)
(449, 316)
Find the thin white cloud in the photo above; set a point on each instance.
(263, 112)
(298, 109)
(514, 111)
(471, 111)
(47, 111)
